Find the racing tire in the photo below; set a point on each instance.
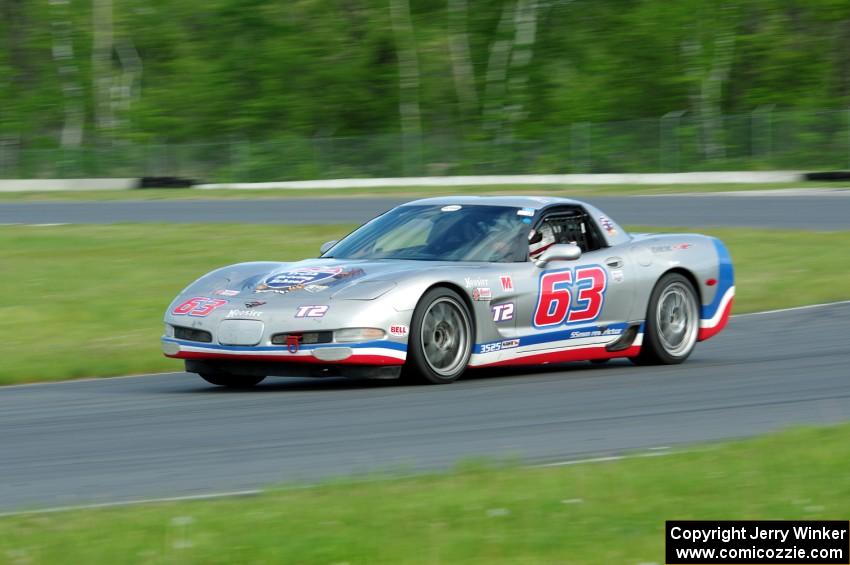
(231, 381)
(441, 338)
(672, 322)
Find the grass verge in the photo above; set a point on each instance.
(83, 301)
(411, 192)
(592, 513)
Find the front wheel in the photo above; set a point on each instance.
(231, 381)
(672, 322)
(440, 342)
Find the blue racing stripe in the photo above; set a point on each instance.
(725, 279)
(548, 337)
(283, 348)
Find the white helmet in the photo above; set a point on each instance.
(540, 240)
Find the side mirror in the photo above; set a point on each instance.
(326, 246)
(560, 252)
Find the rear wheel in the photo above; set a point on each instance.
(440, 342)
(672, 322)
(231, 381)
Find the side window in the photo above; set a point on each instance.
(572, 225)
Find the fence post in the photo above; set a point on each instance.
(674, 116)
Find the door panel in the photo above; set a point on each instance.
(589, 300)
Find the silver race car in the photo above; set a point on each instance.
(438, 285)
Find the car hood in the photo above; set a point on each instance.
(321, 279)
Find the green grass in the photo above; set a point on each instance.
(410, 192)
(83, 301)
(591, 513)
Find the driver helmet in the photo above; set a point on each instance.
(540, 240)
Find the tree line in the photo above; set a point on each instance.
(90, 72)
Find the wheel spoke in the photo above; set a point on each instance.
(444, 336)
(676, 318)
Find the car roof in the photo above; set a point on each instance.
(532, 202)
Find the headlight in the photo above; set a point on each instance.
(357, 334)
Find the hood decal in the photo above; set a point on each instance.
(313, 279)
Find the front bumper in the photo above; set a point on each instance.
(379, 352)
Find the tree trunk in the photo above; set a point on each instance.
(464, 74)
(525, 36)
(101, 64)
(497, 72)
(63, 57)
(408, 73)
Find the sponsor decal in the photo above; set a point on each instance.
(617, 275)
(226, 292)
(236, 313)
(298, 279)
(311, 311)
(498, 346)
(669, 248)
(470, 282)
(607, 225)
(254, 303)
(503, 312)
(507, 283)
(596, 333)
(570, 296)
(450, 208)
(199, 306)
(482, 293)
(525, 212)
(398, 330)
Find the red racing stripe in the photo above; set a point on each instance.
(353, 360)
(705, 333)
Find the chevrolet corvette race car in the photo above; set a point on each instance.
(436, 286)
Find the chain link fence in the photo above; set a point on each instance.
(765, 139)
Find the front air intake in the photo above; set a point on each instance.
(190, 334)
(304, 338)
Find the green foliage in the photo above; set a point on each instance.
(260, 70)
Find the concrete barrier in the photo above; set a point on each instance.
(730, 177)
(726, 177)
(54, 185)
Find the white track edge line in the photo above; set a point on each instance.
(134, 502)
(661, 451)
(792, 309)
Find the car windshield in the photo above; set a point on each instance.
(441, 233)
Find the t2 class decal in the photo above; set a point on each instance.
(503, 312)
(311, 311)
(198, 306)
(570, 296)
